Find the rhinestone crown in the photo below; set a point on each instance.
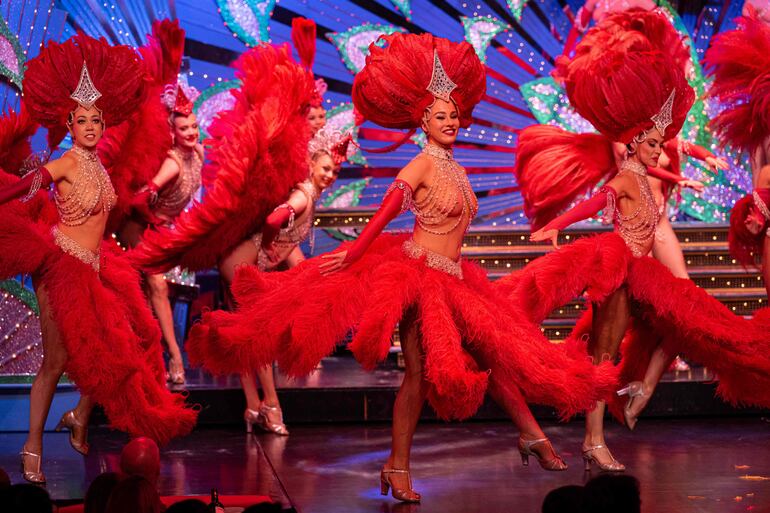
(85, 93)
(664, 117)
(441, 86)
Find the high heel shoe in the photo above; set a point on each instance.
(36, 476)
(589, 458)
(636, 394)
(175, 373)
(400, 494)
(78, 432)
(525, 449)
(264, 422)
(251, 418)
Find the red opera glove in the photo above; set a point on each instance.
(27, 187)
(586, 209)
(397, 199)
(283, 215)
(666, 176)
(696, 151)
(143, 201)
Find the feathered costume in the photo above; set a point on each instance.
(259, 152)
(620, 89)
(133, 151)
(102, 317)
(739, 61)
(296, 317)
(554, 167)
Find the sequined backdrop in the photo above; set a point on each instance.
(517, 39)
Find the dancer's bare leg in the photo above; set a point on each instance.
(156, 290)
(610, 321)
(509, 398)
(44, 385)
(409, 400)
(246, 253)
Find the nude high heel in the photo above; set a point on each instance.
(251, 418)
(612, 466)
(400, 494)
(264, 422)
(78, 432)
(33, 476)
(525, 450)
(635, 393)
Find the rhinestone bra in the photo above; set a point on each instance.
(175, 197)
(90, 190)
(637, 228)
(297, 230)
(441, 197)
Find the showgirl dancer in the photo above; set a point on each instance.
(739, 61)
(453, 325)
(582, 160)
(94, 319)
(259, 154)
(633, 93)
(158, 172)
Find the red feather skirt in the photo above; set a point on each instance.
(669, 312)
(470, 335)
(111, 338)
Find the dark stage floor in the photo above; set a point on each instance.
(693, 465)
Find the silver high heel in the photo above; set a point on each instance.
(37, 476)
(588, 458)
(407, 495)
(264, 422)
(634, 390)
(251, 418)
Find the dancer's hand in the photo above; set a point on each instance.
(543, 234)
(334, 262)
(754, 223)
(692, 184)
(272, 254)
(717, 163)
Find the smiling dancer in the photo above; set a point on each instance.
(94, 319)
(455, 335)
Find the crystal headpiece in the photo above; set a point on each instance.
(664, 117)
(331, 141)
(85, 93)
(441, 86)
(179, 98)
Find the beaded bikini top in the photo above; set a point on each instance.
(90, 190)
(441, 198)
(175, 197)
(299, 230)
(637, 228)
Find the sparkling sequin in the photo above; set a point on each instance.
(72, 248)
(174, 198)
(637, 228)
(90, 189)
(441, 198)
(433, 260)
(295, 233)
